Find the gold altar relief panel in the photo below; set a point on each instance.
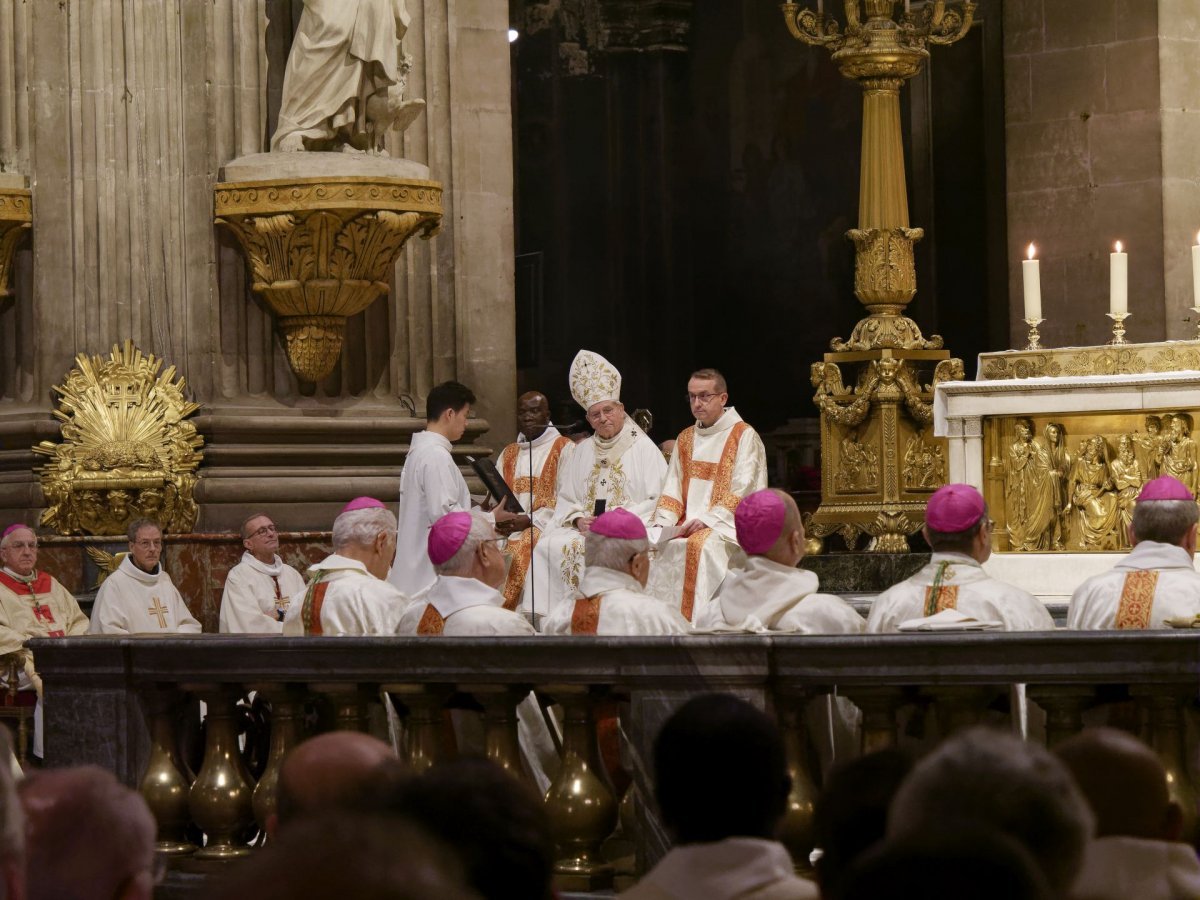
(126, 450)
(1068, 483)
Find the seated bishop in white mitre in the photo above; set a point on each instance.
(715, 463)
(618, 465)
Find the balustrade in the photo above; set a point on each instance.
(118, 702)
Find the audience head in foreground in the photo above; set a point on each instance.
(325, 772)
(723, 818)
(1156, 582)
(770, 593)
(88, 836)
(12, 829)
(994, 779)
(1137, 851)
(495, 822)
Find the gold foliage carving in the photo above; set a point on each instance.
(126, 450)
(1130, 359)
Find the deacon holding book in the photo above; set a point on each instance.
(618, 467)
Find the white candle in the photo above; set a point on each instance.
(1031, 269)
(1118, 284)
(1196, 271)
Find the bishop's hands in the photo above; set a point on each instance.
(690, 527)
(509, 523)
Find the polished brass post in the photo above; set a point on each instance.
(287, 714)
(425, 733)
(1164, 706)
(796, 830)
(960, 706)
(1064, 706)
(878, 706)
(349, 705)
(499, 703)
(164, 786)
(221, 797)
(580, 802)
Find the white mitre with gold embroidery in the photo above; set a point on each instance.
(593, 379)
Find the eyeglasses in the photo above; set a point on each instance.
(265, 530)
(605, 412)
(701, 398)
(147, 545)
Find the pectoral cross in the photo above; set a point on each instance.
(160, 611)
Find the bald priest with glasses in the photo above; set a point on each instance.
(258, 589)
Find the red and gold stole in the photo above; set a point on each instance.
(1137, 600)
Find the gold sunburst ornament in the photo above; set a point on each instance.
(126, 450)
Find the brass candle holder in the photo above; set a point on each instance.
(1034, 337)
(1118, 327)
(1196, 310)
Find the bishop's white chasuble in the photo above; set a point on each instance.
(711, 470)
(343, 598)
(613, 603)
(1154, 582)
(768, 596)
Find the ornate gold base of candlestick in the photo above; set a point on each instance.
(1118, 327)
(1034, 337)
(16, 218)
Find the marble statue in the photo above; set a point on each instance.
(346, 75)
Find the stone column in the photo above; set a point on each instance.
(122, 120)
(1102, 136)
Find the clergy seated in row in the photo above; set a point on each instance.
(431, 485)
(1157, 580)
(347, 591)
(714, 464)
(618, 467)
(32, 604)
(530, 467)
(959, 532)
(770, 593)
(139, 597)
(465, 600)
(1138, 849)
(260, 587)
(612, 598)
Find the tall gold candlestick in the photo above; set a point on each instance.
(1118, 327)
(1034, 337)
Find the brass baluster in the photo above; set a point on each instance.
(287, 715)
(878, 706)
(1064, 706)
(960, 706)
(796, 830)
(425, 736)
(499, 703)
(221, 797)
(349, 705)
(1164, 705)
(164, 786)
(580, 802)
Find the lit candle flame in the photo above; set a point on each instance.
(1119, 247)
(1033, 250)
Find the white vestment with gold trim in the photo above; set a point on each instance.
(131, 601)
(711, 470)
(1171, 591)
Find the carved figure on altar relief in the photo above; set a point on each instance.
(1152, 448)
(346, 75)
(1094, 498)
(858, 467)
(1127, 478)
(1059, 460)
(924, 464)
(1029, 506)
(1180, 459)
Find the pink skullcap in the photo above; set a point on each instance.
(11, 528)
(620, 523)
(759, 521)
(362, 503)
(1165, 487)
(953, 508)
(447, 536)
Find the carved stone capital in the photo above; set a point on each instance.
(16, 218)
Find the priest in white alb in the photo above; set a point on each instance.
(347, 591)
(618, 467)
(139, 597)
(959, 532)
(715, 463)
(770, 593)
(1157, 580)
(530, 467)
(260, 587)
(612, 597)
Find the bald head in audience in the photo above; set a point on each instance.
(324, 772)
(88, 837)
(12, 829)
(1124, 783)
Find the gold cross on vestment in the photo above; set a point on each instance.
(160, 611)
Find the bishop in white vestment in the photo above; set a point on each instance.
(959, 532)
(258, 589)
(1157, 580)
(770, 593)
(715, 463)
(530, 467)
(139, 597)
(618, 465)
(346, 592)
(612, 598)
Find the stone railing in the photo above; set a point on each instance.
(117, 702)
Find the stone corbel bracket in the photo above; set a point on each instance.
(16, 218)
(323, 249)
